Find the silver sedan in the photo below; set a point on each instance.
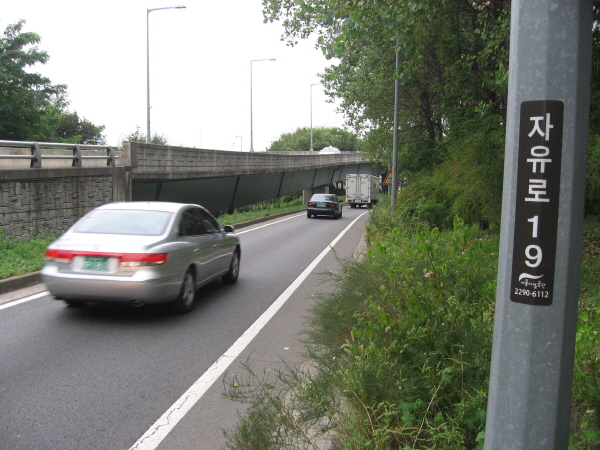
(141, 253)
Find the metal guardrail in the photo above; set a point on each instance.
(37, 156)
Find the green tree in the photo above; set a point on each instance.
(593, 161)
(453, 64)
(70, 128)
(593, 173)
(299, 140)
(595, 91)
(24, 95)
(137, 136)
(31, 107)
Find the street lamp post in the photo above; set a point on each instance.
(251, 123)
(311, 128)
(148, 11)
(241, 143)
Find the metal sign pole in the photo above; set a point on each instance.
(395, 137)
(542, 213)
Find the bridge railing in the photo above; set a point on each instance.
(36, 155)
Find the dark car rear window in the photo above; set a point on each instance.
(323, 198)
(120, 221)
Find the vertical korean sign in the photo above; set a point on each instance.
(538, 190)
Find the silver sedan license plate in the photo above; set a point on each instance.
(96, 263)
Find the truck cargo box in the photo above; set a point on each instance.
(362, 189)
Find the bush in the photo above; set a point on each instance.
(435, 214)
(585, 409)
(468, 184)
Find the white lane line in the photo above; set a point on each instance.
(23, 300)
(269, 224)
(163, 426)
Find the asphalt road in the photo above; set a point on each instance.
(111, 378)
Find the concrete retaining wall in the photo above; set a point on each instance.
(38, 201)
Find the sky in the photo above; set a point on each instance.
(200, 69)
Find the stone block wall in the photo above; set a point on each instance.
(38, 201)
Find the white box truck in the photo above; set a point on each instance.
(362, 189)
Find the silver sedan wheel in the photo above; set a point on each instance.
(185, 302)
(234, 269)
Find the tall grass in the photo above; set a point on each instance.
(22, 256)
(585, 409)
(262, 209)
(400, 352)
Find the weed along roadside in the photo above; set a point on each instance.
(399, 355)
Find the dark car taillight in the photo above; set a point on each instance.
(332, 205)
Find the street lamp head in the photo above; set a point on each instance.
(149, 10)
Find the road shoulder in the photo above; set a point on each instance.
(280, 342)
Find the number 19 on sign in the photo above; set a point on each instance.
(538, 191)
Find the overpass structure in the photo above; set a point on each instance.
(47, 186)
(225, 180)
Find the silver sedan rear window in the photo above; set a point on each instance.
(118, 221)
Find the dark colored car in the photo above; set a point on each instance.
(324, 205)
